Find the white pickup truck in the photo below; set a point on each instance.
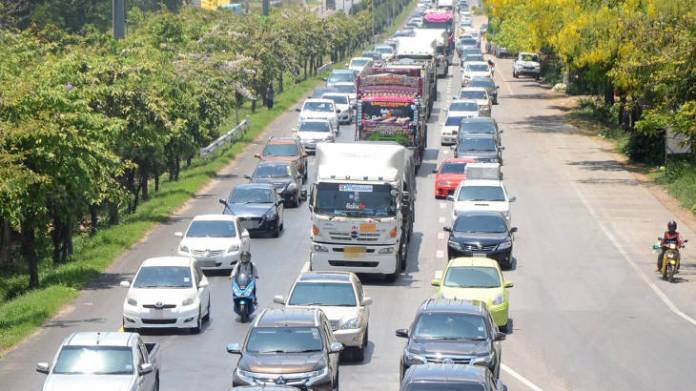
(104, 361)
(526, 64)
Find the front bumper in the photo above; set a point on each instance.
(448, 138)
(214, 262)
(138, 317)
(369, 262)
(528, 72)
(322, 383)
(258, 225)
(502, 256)
(442, 191)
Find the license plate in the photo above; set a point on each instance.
(479, 254)
(207, 263)
(368, 228)
(354, 252)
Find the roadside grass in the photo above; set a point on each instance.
(21, 310)
(593, 118)
(678, 177)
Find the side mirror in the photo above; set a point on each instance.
(435, 171)
(497, 87)
(203, 284)
(436, 282)
(247, 177)
(513, 230)
(513, 199)
(366, 301)
(338, 111)
(234, 348)
(509, 284)
(42, 367)
(298, 109)
(405, 197)
(500, 336)
(179, 234)
(279, 299)
(402, 333)
(450, 198)
(256, 155)
(335, 347)
(295, 130)
(447, 229)
(303, 193)
(145, 368)
(125, 284)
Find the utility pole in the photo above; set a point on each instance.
(118, 14)
(266, 6)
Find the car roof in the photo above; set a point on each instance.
(473, 261)
(481, 182)
(168, 261)
(477, 63)
(472, 307)
(214, 217)
(282, 140)
(473, 89)
(477, 136)
(446, 373)
(318, 100)
(103, 338)
(472, 213)
(265, 186)
(289, 317)
(479, 119)
(273, 163)
(343, 70)
(314, 276)
(344, 83)
(464, 101)
(323, 120)
(361, 58)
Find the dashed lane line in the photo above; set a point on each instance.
(520, 378)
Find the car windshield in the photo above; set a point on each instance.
(338, 99)
(472, 277)
(529, 57)
(359, 62)
(94, 360)
(468, 42)
(274, 340)
(463, 106)
(452, 168)
(317, 126)
(478, 95)
(272, 171)
(354, 200)
(289, 149)
(440, 386)
(478, 67)
(323, 294)
(318, 106)
(341, 76)
(491, 224)
(450, 327)
(211, 229)
(247, 195)
(163, 277)
(453, 121)
(481, 193)
(346, 89)
(474, 57)
(482, 83)
(477, 128)
(476, 144)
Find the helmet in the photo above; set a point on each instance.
(245, 257)
(672, 226)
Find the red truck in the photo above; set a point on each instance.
(391, 106)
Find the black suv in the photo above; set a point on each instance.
(284, 177)
(258, 207)
(293, 347)
(451, 331)
(448, 377)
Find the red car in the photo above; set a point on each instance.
(449, 174)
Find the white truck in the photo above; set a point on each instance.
(90, 361)
(362, 207)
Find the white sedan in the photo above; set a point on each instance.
(342, 101)
(477, 195)
(214, 241)
(167, 292)
(464, 108)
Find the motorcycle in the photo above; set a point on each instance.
(670, 259)
(244, 297)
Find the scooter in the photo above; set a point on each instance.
(243, 295)
(670, 259)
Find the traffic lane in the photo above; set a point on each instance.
(574, 300)
(99, 306)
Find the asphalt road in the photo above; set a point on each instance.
(589, 312)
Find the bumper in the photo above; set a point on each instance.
(528, 72)
(369, 262)
(499, 314)
(345, 117)
(218, 262)
(144, 318)
(302, 383)
(502, 256)
(444, 191)
(450, 139)
(350, 337)
(258, 226)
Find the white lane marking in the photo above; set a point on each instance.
(305, 267)
(612, 238)
(520, 378)
(440, 235)
(443, 205)
(441, 220)
(439, 254)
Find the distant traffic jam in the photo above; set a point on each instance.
(361, 196)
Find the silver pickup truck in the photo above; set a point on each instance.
(104, 361)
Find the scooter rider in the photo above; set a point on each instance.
(245, 266)
(670, 236)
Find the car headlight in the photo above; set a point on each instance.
(317, 375)
(233, 248)
(484, 360)
(350, 324)
(498, 299)
(183, 248)
(246, 376)
(413, 359)
(505, 244)
(270, 214)
(132, 302)
(454, 244)
(186, 302)
(320, 249)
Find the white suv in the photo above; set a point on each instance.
(320, 109)
(526, 64)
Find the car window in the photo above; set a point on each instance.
(478, 127)
(359, 289)
(439, 386)
(198, 275)
(323, 294)
(244, 195)
(476, 144)
(481, 193)
(272, 171)
(338, 99)
(273, 340)
(473, 95)
(463, 106)
(348, 89)
(480, 224)
(318, 106)
(280, 150)
(450, 326)
(478, 67)
(453, 121)
(141, 357)
(212, 229)
(472, 277)
(143, 351)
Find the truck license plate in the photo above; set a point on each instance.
(354, 252)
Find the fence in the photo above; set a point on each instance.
(235, 134)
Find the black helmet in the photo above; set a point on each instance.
(672, 226)
(245, 257)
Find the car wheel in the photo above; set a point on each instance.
(156, 387)
(276, 230)
(403, 255)
(197, 329)
(336, 381)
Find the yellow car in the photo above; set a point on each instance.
(476, 278)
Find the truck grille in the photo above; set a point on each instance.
(360, 237)
(159, 321)
(341, 249)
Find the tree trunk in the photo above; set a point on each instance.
(93, 219)
(188, 164)
(280, 84)
(57, 238)
(253, 105)
(144, 189)
(157, 182)
(29, 252)
(177, 168)
(5, 242)
(113, 213)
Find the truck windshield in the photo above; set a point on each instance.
(354, 200)
(94, 360)
(387, 111)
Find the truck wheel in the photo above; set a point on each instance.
(403, 255)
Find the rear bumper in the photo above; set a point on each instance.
(444, 191)
(528, 72)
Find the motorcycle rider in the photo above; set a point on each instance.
(245, 266)
(670, 236)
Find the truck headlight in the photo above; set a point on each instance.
(506, 244)
(413, 359)
(233, 248)
(186, 302)
(132, 302)
(350, 324)
(388, 250)
(320, 249)
(498, 299)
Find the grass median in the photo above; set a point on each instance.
(25, 310)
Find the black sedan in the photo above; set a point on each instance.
(258, 208)
(284, 177)
(450, 377)
(481, 233)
